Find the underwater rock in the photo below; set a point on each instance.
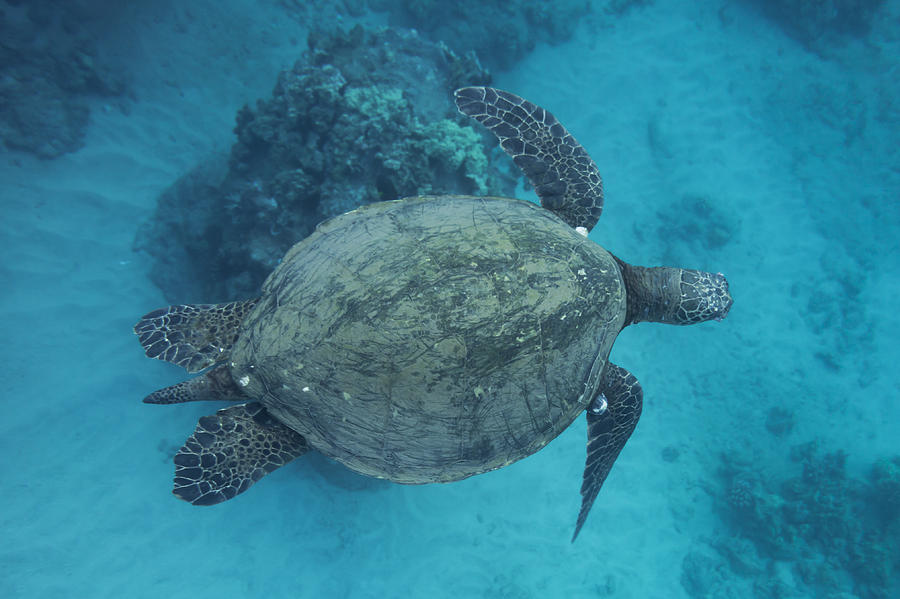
(185, 226)
(832, 529)
(885, 490)
(703, 576)
(364, 116)
(695, 225)
(500, 32)
(670, 453)
(49, 68)
(779, 421)
(740, 554)
(503, 32)
(815, 21)
(835, 306)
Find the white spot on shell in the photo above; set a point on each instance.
(305, 389)
(244, 381)
(581, 230)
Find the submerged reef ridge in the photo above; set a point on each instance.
(363, 116)
(503, 32)
(817, 23)
(49, 69)
(819, 533)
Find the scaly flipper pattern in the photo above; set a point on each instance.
(563, 175)
(608, 431)
(231, 450)
(193, 336)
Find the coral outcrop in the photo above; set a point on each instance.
(501, 32)
(821, 533)
(49, 68)
(817, 22)
(364, 116)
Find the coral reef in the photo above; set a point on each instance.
(319, 14)
(501, 32)
(885, 489)
(814, 22)
(839, 534)
(364, 116)
(703, 575)
(49, 67)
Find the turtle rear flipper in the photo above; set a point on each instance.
(563, 174)
(611, 418)
(193, 336)
(231, 450)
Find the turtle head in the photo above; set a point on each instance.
(704, 296)
(674, 295)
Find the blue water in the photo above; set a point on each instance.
(766, 460)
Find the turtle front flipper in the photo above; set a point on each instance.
(193, 336)
(215, 385)
(559, 168)
(231, 450)
(611, 418)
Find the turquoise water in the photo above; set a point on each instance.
(766, 462)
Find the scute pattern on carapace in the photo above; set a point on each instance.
(453, 341)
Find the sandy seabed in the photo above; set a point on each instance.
(678, 103)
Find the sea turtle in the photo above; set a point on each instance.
(429, 339)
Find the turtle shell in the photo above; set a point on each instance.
(433, 338)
